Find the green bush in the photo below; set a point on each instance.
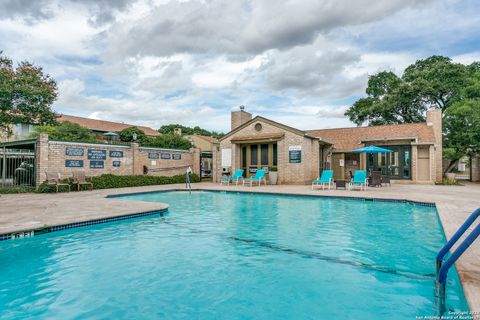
(108, 181)
(24, 189)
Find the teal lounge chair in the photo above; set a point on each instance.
(325, 179)
(259, 176)
(236, 177)
(359, 179)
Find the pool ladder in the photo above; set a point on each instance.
(442, 268)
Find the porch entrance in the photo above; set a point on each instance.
(254, 156)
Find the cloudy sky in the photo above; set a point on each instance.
(302, 63)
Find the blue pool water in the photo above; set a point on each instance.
(233, 256)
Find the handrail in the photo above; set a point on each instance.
(442, 268)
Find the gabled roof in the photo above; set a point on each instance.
(104, 126)
(206, 138)
(275, 124)
(347, 139)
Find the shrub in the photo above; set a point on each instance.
(21, 189)
(108, 181)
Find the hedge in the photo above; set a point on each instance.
(20, 189)
(108, 181)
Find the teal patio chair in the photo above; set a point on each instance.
(325, 179)
(236, 177)
(359, 179)
(259, 176)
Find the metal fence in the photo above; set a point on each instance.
(17, 167)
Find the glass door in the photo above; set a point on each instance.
(396, 164)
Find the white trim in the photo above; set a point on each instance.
(86, 144)
(164, 149)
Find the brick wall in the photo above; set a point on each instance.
(288, 173)
(53, 155)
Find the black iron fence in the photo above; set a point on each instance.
(17, 167)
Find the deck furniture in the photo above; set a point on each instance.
(385, 180)
(325, 179)
(80, 179)
(375, 179)
(236, 177)
(53, 179)
(340, 184)
(359, 179)
(259, 176)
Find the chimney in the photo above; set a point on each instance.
(177, 131)
(434, 120)
(239, 117)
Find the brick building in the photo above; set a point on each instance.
(300, 156)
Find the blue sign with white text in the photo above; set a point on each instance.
(97, 154)
(74, 152)
(74, 163)
(116, 163)
(96, 164)
(116, 154)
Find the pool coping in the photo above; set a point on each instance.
(78, 224)
(412, 202)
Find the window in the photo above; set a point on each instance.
(254, 154)
(275, 154)
(244, 156)
(264, 154)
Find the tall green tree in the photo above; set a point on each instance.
(432, 82)
(168, 140)
(65, 131)
(26, 95)
(169, 128)
(126, 135)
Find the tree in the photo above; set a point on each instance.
(65, 131)
(169, 128)
(462, 123)
(168, 140)
(126, 135)
(435, 81)
(26, 95)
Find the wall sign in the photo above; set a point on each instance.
(295, 154)
(74, 152)
(176, 156)
(165, 155)
(116, 163)
(153, 156)
(97, 154)
(116, 154)
(74, 163)
(96, 164)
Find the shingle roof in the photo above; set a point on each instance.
(104, 126)
(351, 138)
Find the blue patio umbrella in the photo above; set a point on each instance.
(371, 149)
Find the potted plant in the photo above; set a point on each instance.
(273, 174)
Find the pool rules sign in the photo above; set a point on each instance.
(294, 154)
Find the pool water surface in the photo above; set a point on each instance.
(235, 256)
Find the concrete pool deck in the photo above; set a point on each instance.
(22, 212)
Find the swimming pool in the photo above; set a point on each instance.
(235, 256)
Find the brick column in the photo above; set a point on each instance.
(41, 159)
(216, 161)
(434, 120)
(137, 168)
(196, 160)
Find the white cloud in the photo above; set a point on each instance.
(153, 62)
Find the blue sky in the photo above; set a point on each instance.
(303, 63)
